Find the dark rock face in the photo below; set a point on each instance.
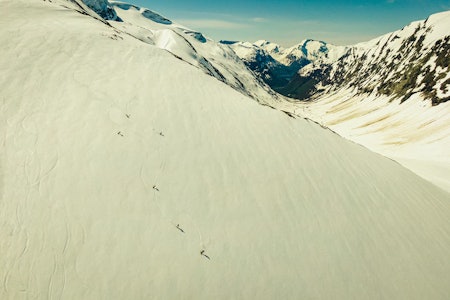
(103, 9)
(279, 67)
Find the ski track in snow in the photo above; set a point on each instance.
(159, 139)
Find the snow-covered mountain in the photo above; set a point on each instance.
(389, 94)
(186, 44)
(277, 65)
(412, 60)
(360, 91)
(263, 64)
(130, 170)
(307, 50)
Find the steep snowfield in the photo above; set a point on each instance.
(110, 143)
(192, 47)
(414, 133)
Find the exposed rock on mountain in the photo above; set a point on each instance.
(413, 60)
(278, 66)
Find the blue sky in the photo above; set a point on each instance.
(287, 22)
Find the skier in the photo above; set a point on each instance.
(179, 228)
(203, 254)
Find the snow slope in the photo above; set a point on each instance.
(192, 47)
(414, 133)
(110, 143)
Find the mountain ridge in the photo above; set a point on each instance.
(277, 65)
(421, 42)
(181, 42)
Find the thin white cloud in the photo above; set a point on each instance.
(259, 20)
(211, 24)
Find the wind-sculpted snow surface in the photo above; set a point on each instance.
(144, 12)
(186, 44)
(192, 47)
(127, 173)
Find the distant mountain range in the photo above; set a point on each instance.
(278, 66)
(412, 60)
(360, 91)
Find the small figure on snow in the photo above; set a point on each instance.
(127, 115)
(120, 133)
(179, 228)
(161, 134)
(155, 188)
(202, 253)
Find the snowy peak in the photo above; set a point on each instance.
(309, 49)
(261, 43)
(247, 51)
(413, 60)
(277, 65)
(270, 47)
